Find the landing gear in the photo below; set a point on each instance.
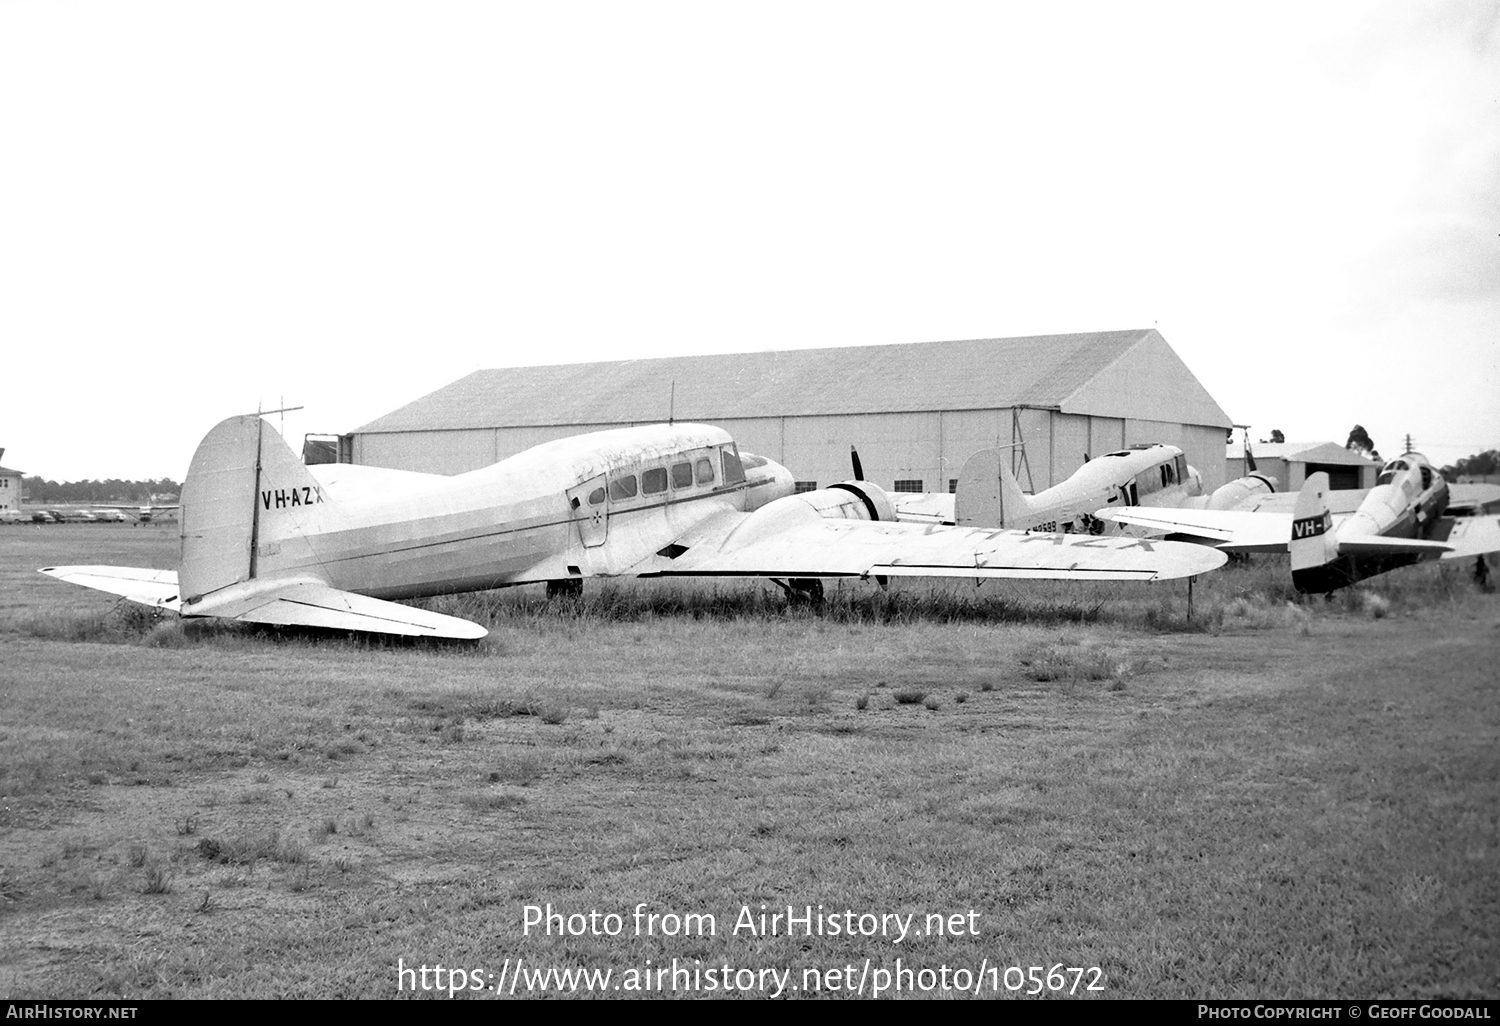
(569, 588)
(801, 590)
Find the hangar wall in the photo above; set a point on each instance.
(926, 447)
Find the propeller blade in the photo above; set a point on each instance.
(859, 470)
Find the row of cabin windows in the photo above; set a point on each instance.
(1170, 473)
(681, 475)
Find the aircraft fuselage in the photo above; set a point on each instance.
(562, 510)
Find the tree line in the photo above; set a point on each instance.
(112, 490)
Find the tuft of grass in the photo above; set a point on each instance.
(909, 696)
(931, 703)
(137, 854)
(863, 701)
(553, 714)
(522, 770)
(158, 880)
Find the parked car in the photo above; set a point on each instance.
(112, 516)
(14, 516)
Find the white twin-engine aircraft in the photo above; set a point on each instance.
(1402, 520)
(989, 495)
(269, 540)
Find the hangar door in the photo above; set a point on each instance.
(1340, 477)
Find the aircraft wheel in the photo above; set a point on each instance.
(570, 588)
(805, 589)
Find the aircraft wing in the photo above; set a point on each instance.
(1471, 499)
(1472, 536)
(148, 587)
(1230, 530)
(923, 507)
(1340, 500)
(735, 544)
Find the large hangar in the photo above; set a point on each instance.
(915, 411)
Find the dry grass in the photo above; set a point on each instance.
(1274, 799)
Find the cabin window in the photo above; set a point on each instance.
(750, 461)
(1146, 484)
(1182, 474)
(596, 496)
(804, 486)
(704, 469)
(734, 472)
(908, 484)
(654, 481)
(682, 475)
(1426, 478)
(622, 487)
(953, 486)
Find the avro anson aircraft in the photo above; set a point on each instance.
(1401, 521)
(269, 540)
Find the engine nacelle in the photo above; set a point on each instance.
(1231, 495)
(877, 503)
(851, 500)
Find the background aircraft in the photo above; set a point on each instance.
(269, 540)
(1402, 520)
(145, 514)
(989, 495)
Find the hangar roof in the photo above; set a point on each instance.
(1301, 452)
(1130, 373)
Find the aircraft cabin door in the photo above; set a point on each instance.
(590, 505)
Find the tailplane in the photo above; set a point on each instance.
(989, 495)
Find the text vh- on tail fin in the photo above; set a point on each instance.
(989, 494)
(1313, 546)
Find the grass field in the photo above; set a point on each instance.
(1269, 799)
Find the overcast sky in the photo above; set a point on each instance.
(208, 206)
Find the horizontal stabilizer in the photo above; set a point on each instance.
(306, 603)
(1379, 545)
(148, 587)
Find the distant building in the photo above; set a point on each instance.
(10, 485)
(916, 412)
(1292, 462)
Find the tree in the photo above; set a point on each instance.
(1360, 442)
(1481, 464)
(1277, 436)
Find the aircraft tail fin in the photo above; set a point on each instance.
(1313, 545)
(989, 496)
(241, 472)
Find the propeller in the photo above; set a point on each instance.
(859, 470)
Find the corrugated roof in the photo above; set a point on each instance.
(992, 373)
